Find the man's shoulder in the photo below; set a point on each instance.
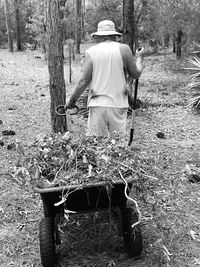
(125, 51)
(92, 47)
(124, 48)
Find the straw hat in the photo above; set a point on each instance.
(106, 27)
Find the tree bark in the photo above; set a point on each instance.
(131, 25)
(78, 25)
(55, 64)
(83, 19)
(17, 26)
(124, 19)
(174, 43)
(179, 43)
(9, 33)
(44, 30)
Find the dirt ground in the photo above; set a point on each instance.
(167, 137)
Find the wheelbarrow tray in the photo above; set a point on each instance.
(86, 197)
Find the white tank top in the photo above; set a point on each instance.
(108, 84)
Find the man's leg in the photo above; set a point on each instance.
(117, 120)
(96, 125)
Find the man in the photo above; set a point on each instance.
(104, 72)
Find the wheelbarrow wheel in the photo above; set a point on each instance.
(47, 243)
(132, 236)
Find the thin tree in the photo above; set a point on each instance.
(128, 23)
(78, 25)
(9, 32)
(132, 14)
(17, 26)
(83, 19)
(131, 24)
(124, 19)
(179, 43)
(174, 43)
(55, 63)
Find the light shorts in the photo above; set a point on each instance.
(102, 120)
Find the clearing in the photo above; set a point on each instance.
(167, 134)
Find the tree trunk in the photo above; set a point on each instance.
(43, 41)
(55, 64)
(17, 26)
(83, 20)
(179, 43)
(78, 25)
(9, 33)
(131, 25)
(124, 19)
(174, 43)
(70, 65)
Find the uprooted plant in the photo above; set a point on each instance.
(65, 160)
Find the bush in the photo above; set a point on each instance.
(194, 68)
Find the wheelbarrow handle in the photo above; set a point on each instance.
(135, 94)
(61, 110)
(133, 113)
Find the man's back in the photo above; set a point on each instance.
(108, 84)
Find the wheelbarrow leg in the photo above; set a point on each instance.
(132, 236)
(57, 235)
(118, 213)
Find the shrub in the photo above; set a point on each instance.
(194, 68)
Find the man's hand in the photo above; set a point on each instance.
(70, 104)
(131, 101)
(140, 52)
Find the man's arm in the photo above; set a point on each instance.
(133, 65)
(82, 83)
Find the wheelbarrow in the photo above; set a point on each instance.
(91, 197)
